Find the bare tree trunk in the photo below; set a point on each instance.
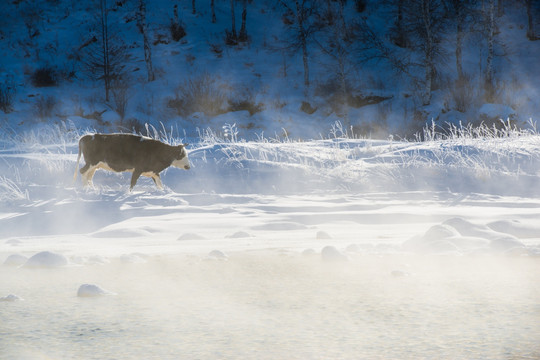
(428, 52)
(213, 7)
(233, 21)
(141, 23)
(303, 42)
(489, 86)
(500, 8)
(305, 62)
(193, 9)
(243, 31)
(400, 39)
(302, 12)
(342, 74)
(530, 23)
(105, 45)
(459, 39)
(175, 15)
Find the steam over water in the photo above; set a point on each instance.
(277, 305)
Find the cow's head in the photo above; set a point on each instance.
(181, 160)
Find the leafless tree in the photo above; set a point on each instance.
(426, 21)
(105, 43)
(213, 9)
(462, 12)
(120, 98)
(530, 20)
(32, 17)
(336, 40)
(243, 36)
(106, 57)
(418, 35)
(399, 37)
(372, 46)
(7, 93)
(301, 19)
(143, 29)
(232, 37)
(429, 50)
(489, 85)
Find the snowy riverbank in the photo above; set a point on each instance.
(332, 248)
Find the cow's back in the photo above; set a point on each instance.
(119, 151)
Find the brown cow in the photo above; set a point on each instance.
(125, 152)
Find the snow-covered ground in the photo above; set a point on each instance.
(280, 242)
(330, 248)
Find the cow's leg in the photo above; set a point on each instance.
(157, 181)
(134, 177)
(88, 174)
(85, 168)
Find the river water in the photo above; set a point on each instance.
(277, 305)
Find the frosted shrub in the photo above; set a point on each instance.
(203, 94)
(177, 31)
(120, 97)
(176, 28)
(44, 77)
(463, 93)
(246, 104)
(7, 92)
(45, 106)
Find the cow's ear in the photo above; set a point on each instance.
(185, 145)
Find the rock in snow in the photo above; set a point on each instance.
(515, 228)
(15, 260)
(323, 235)
(14, 242)
(460, 235)
(46, 259)
(467, 228)
(217, 255)
(91, 290)
(10, 298)
(280, 226)
(439, 232)
(190, 236)
(331, 254)
(239, 235)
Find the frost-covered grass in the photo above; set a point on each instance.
(9, 190)
(503, 160)
(505, 129)
(481, 159)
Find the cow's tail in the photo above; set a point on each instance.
(78, 160)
